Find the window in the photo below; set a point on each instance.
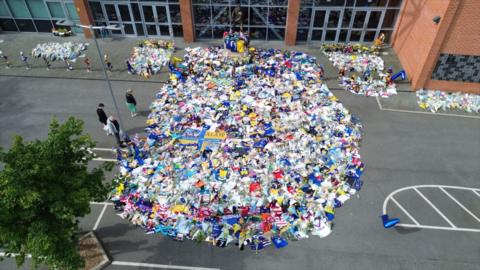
(304, 17)
(175, 16)
(340, 3)
(136, 13)
(25, 25)
(3, 9)
(369, 36)
(278, 16)
(97, 11)
(72, 10)
(302, 34)
(389, 19)
(177, 30)
(395, 3)
(202, 14)
(43, 25)
(56, 9)
(38, 9)
(371, 3)
(374, 19)
(18, 9)
(8, 25)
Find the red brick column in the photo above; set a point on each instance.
(292, 22)
(187, 20)
(85, 14)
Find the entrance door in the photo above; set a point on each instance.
(157, 20)
(120, 14)
(325, 24)
(345, 25)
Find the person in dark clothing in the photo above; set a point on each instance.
(102, 117)
(131, 102)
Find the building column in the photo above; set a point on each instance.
(187, 20)
(85, 14)
(292, 22)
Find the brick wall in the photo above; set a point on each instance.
(418, 41)
(463, 36)
(415, 35)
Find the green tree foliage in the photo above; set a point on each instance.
(45, 186)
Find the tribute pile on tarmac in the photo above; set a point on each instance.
(149, 56)
(250, 150)
(436, 100)
(366, 68)
(53, 51)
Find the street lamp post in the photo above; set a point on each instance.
(100, 55)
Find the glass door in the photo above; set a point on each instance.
(325, 24)
(157, 20)
(120, 14)
(365, 26)
(127, 19)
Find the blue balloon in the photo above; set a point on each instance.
(389, 223)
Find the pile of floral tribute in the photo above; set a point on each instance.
(251, 151)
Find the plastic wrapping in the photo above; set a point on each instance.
(149, 56)
(367, 76)
(440, 100)
(248, 150)
(60, 51)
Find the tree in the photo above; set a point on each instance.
(45, 186)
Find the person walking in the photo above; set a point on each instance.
(129, 67)
(24, 59)
(113, 127)
(45, 59)
(87, 63)
(102, 116)
(108, 64)
(7, 63)
(131, 102)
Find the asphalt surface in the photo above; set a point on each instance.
(399, 149)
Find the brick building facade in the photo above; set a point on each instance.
(442, 54)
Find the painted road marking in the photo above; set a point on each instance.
(435, 208)
(161, 266)
(427, 113)
(405, 211)
(460, 204)
(102, 203)
(100, 217)
(444, 189)
(103, 149)
(105, 159)
(437, 227)
(3, 254)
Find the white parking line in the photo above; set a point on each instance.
(105, 159)
(444, 189)
(461, 205)
(3, 254)
(102, 149)
(102, 203)
(100, 217)
(405, 211)
(161, 266)
(435, 208)
(427, 113)
(438, 227)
